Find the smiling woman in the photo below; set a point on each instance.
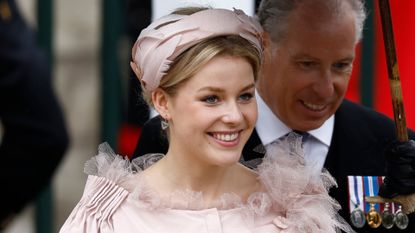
(198, 68)
(220, 96)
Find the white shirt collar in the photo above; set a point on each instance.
(269, 127)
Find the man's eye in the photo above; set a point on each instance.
(306, 64)
(211, 99)
(342, 66)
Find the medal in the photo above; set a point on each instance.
(388, 218)
(401, 219)
(373, 217)
(357, 218)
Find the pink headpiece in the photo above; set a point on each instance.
(166, 38)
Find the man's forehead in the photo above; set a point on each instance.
(315, 13)
(315, 56)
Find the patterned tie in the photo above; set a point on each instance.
(293, 134)
(292, 138)
(304, 135)
(295, 141)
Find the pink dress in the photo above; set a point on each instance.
(295, 200)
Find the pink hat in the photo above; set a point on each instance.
(166, 38)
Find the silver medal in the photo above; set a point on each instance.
(357, 218)
(388, 218)
(401, 219)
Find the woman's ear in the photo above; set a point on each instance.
(161, 103)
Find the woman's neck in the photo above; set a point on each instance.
(173, 173)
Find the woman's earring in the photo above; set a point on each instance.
(164, 124)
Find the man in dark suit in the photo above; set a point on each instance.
(309, 51)
(34, 137)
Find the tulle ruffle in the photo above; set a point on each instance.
(120, 170)
(293, 192)
(298, 192)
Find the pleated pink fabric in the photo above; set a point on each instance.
(117, 198)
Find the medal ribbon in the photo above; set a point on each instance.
(371, 186)
(392, 206)
(355, 193)
(367, 192)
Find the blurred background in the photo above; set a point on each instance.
(89, 46)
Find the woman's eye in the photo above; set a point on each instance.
(246, 97)
(212, 99)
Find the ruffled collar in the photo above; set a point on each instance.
(294, 194)
(259, 202)
(129, 175)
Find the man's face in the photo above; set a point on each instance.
(305, 77)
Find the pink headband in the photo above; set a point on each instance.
(166, 38)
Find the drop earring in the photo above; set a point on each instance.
(164, 124)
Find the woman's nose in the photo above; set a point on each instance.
(232, 113)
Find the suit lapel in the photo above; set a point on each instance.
(250, 150)
(353, 145)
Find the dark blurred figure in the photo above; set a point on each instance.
(138, 16)
(34, 137)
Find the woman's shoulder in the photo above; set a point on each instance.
(112, 179)
(109, 172)
(117, 169)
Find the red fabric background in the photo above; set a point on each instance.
(403, 20)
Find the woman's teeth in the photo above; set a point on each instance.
(226, 137)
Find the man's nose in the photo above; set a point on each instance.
(324, 84)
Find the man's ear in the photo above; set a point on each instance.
(267, 55)
(266, 40)
(161, 103)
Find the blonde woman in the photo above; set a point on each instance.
(198, 68)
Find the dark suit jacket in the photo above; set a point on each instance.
(34, 136)
(359, 138)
